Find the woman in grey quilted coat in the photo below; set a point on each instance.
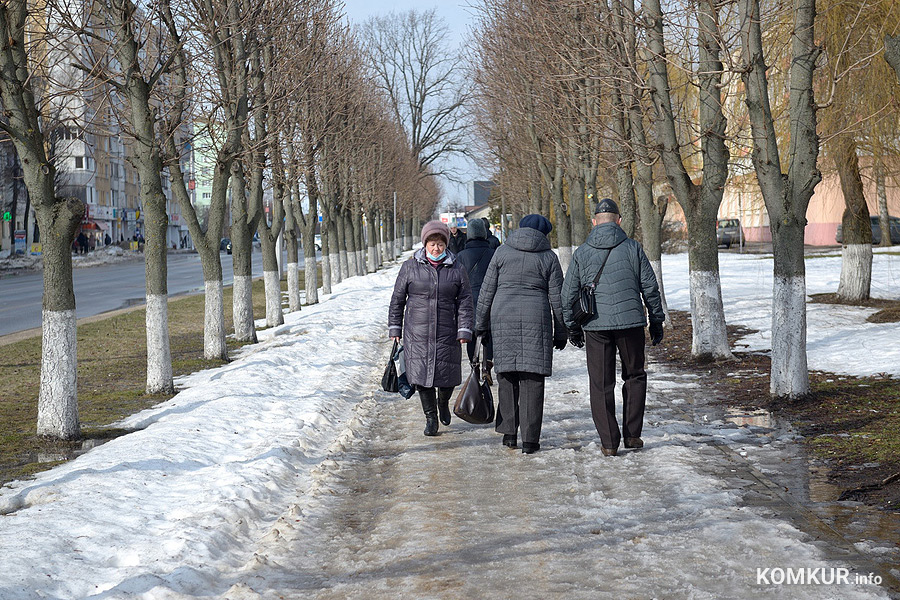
(519, 307)
(431, 309)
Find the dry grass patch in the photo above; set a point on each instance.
(112, 358)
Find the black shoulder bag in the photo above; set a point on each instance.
(584, 307)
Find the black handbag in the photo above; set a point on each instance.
(390, 382)
(584, 307)
(475, 402)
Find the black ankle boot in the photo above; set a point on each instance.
(509, 440)
(530, 447)
(431, 424)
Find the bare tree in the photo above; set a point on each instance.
(413, 65)
(786, 196)
(58, 218)
(699, 201)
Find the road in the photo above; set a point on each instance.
(104, 288)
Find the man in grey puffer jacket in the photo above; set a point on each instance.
(627, 284)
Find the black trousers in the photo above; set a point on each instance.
(601, 363)
(521, 404)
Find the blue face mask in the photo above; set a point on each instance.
(438, 257)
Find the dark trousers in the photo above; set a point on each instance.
(601, 363)
(429, 397)
(521, 405)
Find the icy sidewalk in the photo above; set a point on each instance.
(399, 515)
(173, 509)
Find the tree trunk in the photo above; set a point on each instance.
(311, 275)
(372, 241)
(700, 203)
(342, 227)
(576, 209)
(892, 53)
(58, 219)
(786, 198)
(884, 221)
(291, 226)
(241, 257)
(856, 263)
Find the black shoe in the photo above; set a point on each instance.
(431, 424)
(609, 451)
(444, 410)
(509, 440)
(634, 442)
(530, 447)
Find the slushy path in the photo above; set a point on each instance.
(399, 515)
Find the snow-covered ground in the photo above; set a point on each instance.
(101, 256)
(228, 482)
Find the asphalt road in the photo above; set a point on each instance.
(104, 288)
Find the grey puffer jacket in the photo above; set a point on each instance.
(519, 303)
(626, 285)
(431, 309)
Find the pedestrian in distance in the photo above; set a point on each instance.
(627, 284)
(475, 258)
(492, 239)
(431, 309)
(457, 241)
(519, 307)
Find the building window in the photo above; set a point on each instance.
(79, 162)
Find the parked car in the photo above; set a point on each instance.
(318, 240)
(874, 221)
(225, 245)
(728, 232)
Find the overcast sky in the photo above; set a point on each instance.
(458, 18)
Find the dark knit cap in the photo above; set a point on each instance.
(606, 206)
(435, 227)
(476, 230)
(537, 222)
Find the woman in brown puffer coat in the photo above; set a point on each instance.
(431, 309)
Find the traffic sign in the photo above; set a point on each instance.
(7, 216)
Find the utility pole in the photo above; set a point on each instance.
(394, 242)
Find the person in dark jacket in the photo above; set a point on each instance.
(457, 241)
(519, 307)
(492, 239)
(627, 284)
(475, 258)
(432, 310)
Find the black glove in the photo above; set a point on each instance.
(484, 334)
(656, 333)
(559, 343)
(576, 337)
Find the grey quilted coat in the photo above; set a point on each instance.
(626, 285)
(431, 309)
(519, 303)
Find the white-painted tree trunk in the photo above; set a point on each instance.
(214, 322)
(334, 261)
(565, 257)
(789, 367)
(372, 265)
(293, 284)
(345, 264)
(657, 269)
(361, 262)
(708, 314)
(326, 273)
(274, 315)
(311, 282)
(159, 356)
(242, 304)
(382, 252)
(57, 399)
(856, 272)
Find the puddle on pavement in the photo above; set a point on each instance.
(756, 418)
